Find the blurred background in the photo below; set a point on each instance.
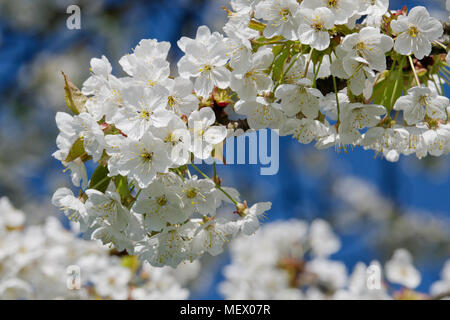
(374, 205)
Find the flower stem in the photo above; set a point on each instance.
(441, 45)
(316, 73)
(397, 80)
(337, 97)
(414, 70)
(292, 64)
(308, 62)
(215, 171)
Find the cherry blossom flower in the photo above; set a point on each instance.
(416, 32)
(204, 134)
(299, 98)
(401, 270)
(141, 159)
(250, 222)
(313, 30)
(341, 9)
(205, 60)
(143, 108)
(369, 44)
(313, 70)
(254, 78)
(373, 7)
(421, 101)
(260, 114)
(281, 16)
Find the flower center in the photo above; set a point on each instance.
(250, 74)
(207, 68)
(317, 24)
(360, 46)
(172, 101)
(145, 115)
(332, 3)
(200, 132)
(423, 100)
(413, 31)
(169, 138)
(147, 156)
(404, 271)
(285, 13)
(191, 193)
(162, 201)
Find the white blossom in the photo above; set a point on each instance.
(204, 134)
(281, 17)
(205, 60)
(140, 159)
(143, 108)
(254, 77)
(421, 101)
(300, 97)
(314, 27)
(341, 9)
(373, 7)
(401, 270)
(371, 45)
(416, 32)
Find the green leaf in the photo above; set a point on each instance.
(343, 29)
(387, 91)
(100, 180)
(77, 150)
(75, 100)
(278, 66)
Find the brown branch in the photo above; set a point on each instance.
(223, 119)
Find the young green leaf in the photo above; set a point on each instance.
(75, 100)
(77, 150)
(122, 186)
(278, 66)
(100, 180)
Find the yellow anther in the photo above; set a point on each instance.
(147, 156)
(413, 31)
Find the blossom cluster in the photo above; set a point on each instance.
(305, 68)
(47, 261)
(308, 69)
(143, 130)
(291, 260)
